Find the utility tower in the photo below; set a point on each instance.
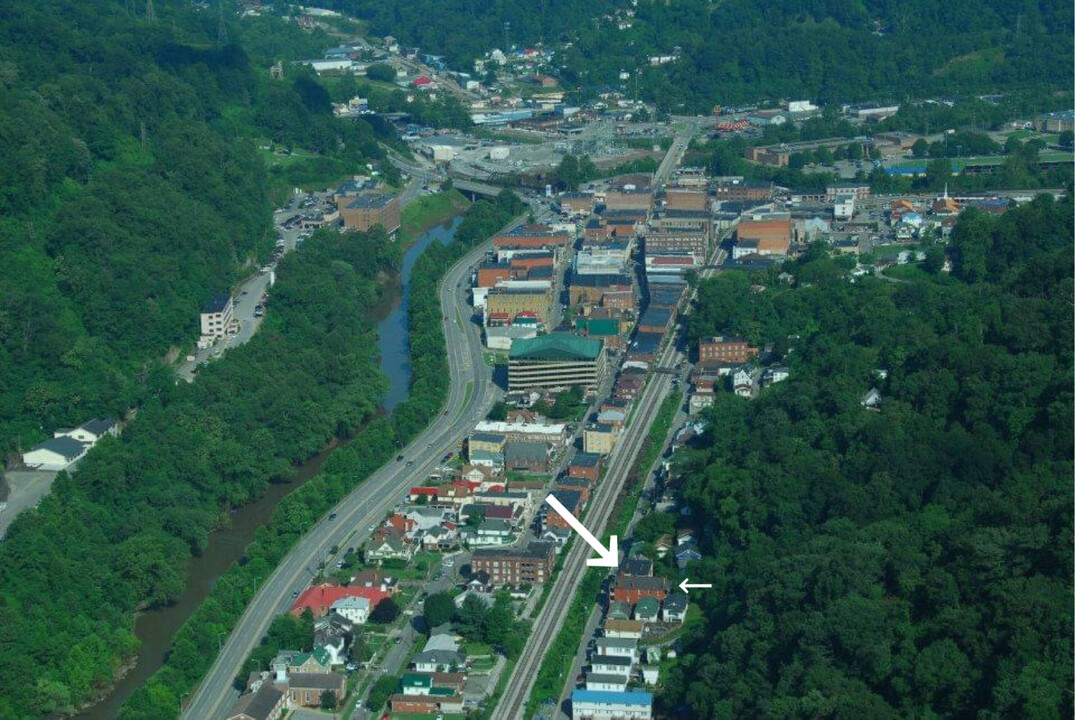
(151, 14)
(222, 28)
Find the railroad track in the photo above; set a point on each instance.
(513, 702)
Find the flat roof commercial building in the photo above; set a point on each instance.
(555, 360)
(365, 211)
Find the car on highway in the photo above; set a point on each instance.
(295, 594)
(409, 463)
(332, 516)
(372, 527)
(399, 458)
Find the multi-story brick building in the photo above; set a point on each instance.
(589, 289)
(743, 191)
(577, 203)
(363, 212)
(531, 236)
(684, 199)
(625, 199)
(515, 566)
(695, 243)
(725, 349)
(490, 273)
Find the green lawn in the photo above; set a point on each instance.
(483, 665)
(428, 211)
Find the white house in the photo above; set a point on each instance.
(608, 665)
(355, 609)
(91, 431)
(598, 705)
(650, 674)
(674, 608)
(59, 453)
(438, 661)
(607, 683)
(618, 647)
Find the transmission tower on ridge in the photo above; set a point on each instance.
(222, 28)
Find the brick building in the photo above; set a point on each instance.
(585, 466)
(725, 349)
(684, 199)
(490, 273)
(743, 191)
(515, 566)
(365, 211)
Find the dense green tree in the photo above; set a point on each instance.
(382, 72)
(438, 608)
(912, 562)
(386, 612)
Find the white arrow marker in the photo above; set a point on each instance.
(684, 585)
(609, 557)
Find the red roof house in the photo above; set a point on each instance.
(320, 598)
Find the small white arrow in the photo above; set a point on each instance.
(609, 557)
(684, 585)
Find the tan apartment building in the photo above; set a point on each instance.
(218, 316)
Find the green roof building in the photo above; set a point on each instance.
(555, 360)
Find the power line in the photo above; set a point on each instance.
(222, 28)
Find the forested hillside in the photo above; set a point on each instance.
(117, 536)
(130, 190)
(746, 50)
(911, 562)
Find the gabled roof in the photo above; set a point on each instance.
(258, 705)
(66, 447)
(99, 426)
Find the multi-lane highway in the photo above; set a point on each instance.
(471, 393)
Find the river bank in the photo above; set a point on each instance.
(158, 629)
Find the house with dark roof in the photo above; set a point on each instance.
(526, 457)
(674, 608)
(266, 703)
(585, 466)
(309, 689)
(58, 453)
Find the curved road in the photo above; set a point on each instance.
(471, 393)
